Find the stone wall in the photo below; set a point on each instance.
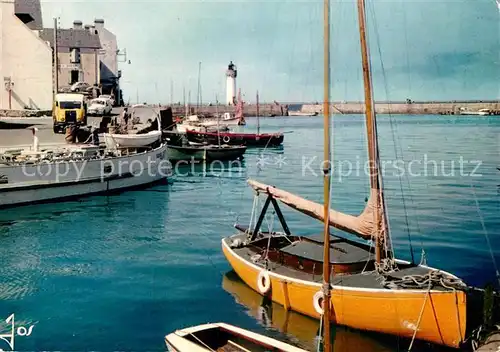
(419, 108)
(25, 113)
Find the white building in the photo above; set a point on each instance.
(110, 75)
(25, 59)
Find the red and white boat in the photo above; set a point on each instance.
(233, 138)
(237, 138)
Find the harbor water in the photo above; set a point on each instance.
(121, 272)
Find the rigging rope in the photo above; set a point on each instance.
(433, 278)
(320, 334)
(486, 235)
(391, 120)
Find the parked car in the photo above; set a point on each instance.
(79, 87)
(99, 106)
(109, 97)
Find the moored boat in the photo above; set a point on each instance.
(223, 337)
(39, 174)
(272, 315)
(481, 112)
(345, 281)
(205, 152)
(301, 113)
(60, 174)
(237, 138)
(234, 138)
(226, 119)
(114, 140)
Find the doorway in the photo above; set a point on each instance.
(75, 76)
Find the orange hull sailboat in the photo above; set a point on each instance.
(358, 300)
(365, 286)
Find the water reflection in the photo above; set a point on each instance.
(303, 330)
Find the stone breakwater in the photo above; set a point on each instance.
(24, 113)
(414, 108)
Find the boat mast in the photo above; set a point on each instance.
(198, 95)
(217, 115)
(371, 129)
(326, 180)
(258, 118)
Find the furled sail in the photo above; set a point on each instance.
(362, 226)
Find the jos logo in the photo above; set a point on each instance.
(10, 336)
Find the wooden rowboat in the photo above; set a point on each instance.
(222, 337)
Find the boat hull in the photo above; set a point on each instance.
(178, 153)
(131, 140)
(300, 113)
(212, 335)
(228, 122)
(225, 153)
(46, 183)
(396, 312)
(248, 139)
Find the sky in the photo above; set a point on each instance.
(421, 50)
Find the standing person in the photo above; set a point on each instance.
(124, 118)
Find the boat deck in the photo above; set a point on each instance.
(314, 250)
(341, 252)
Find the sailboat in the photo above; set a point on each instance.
(363, 285)
(223, 337)
(239, 138)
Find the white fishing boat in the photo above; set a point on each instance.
(200, 124)
(481, 112)
(44, 174)
(114, 140)
(226, 119)
(301, 113)
(138, 132)
(191, 123)
(72, 174)
(223, 337)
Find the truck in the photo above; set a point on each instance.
(69, 109)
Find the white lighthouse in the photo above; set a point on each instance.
(231, 74)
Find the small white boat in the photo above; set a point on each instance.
(114, 140)
(482, 112)
(301, 113)
(225, 119)
(223, 337)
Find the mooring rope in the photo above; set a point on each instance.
(420, 316)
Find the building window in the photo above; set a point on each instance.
(75, 55)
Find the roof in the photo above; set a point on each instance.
(30, 12)
(71, 38)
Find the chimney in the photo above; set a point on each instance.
(77, 24)
(99, 24)
(90, 28)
